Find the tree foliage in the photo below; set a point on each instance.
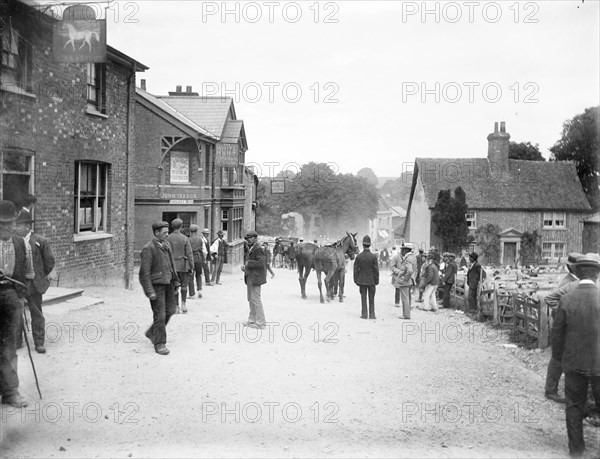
(449, 217)
(268, 214)
(340, 199)
(487, 238)
(525, 150)
(531, 250)
(397, 191)
(368, 173)
(579, 143)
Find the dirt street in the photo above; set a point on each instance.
(319, 382)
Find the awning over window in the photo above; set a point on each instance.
(383, 234)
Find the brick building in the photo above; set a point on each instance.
(190, 155)
(516, 195)
(66, 138)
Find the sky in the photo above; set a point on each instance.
(372, 83)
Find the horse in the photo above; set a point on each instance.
(305, 254)
(330, 260)
(76, 35)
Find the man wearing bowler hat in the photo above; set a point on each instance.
(366, 276)
(16, 270)
(160, 283)
(43, 264)
(576, 344)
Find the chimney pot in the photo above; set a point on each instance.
(188, 89)
(143, 84)
(496, 126)
(178, 88)
(502, 126)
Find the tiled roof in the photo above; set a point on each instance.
(594, 218)
(209, 112)
(552, 185)
(171, 111)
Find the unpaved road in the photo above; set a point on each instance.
(320, 382)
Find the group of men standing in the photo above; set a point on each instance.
(170, 263)
(26, 260)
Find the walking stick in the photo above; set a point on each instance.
(37, 383)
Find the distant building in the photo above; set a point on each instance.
(516, 195)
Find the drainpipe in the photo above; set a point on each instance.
(213, 200)
(128, 228)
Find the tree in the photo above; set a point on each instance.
(524, 150)
(449, 217)
(268, 212)
(579, 143)
(531, 252)
(397, 191)
(368, 173)
(488, 240)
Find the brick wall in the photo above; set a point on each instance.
(53, 124)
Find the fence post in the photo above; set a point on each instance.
(543, 327)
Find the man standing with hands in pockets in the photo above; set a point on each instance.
(255, 275)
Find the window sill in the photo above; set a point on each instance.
(560, 228)
(17, 90)
(88, 236)
(91, 111)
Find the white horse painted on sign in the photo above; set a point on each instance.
(76, 35)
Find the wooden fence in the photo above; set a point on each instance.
(516, 309)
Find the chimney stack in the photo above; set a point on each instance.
(143, 84)
(188, 89)
(178, 88)
(179, 92)
(498, 143)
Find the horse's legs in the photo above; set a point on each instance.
(329, 284)
(302, 280)
(342, 282)
(319, 283)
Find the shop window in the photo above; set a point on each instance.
(90, 197)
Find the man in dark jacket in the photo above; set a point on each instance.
(198, 252)
(475, 275)
(183, 258)
(566, 284)
(16, 271)
(43, 264)
(255, 275)
(449, 278)
(430, 281)
(576, 344)
(160, 283)
(366, 276)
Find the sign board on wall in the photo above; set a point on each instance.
(277, 186)
(79, 41)
(180, 167)
(227, 154)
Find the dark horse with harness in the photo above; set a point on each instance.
(330, 260)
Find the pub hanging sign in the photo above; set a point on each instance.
(79, 37)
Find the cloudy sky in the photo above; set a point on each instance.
(373, 84)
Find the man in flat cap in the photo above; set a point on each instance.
(160, 283)
(448, 278)
(430, 281)
(569, 282)
(16, 271)
(184, 260)
(366, 276)
(43, 264)
(198, 251)
(255, 275)
(576, 344)
(475, 275)
(218, 251)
